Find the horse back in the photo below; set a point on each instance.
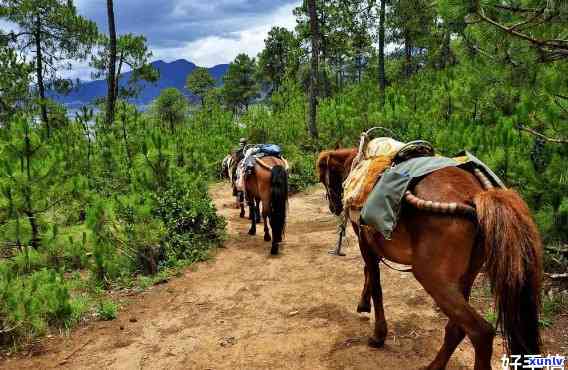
(423, 235)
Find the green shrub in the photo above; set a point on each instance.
(107, 310)
(76, 253)
(109, 261)
(29, 303)
(302, 169)
(28, 260)
(551, 306)
(191, 220)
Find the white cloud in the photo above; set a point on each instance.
(213, 50)
(80, 70)
(244, 34)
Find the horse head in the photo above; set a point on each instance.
(333, 167)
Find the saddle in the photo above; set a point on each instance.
(373, 158)
(253, 154)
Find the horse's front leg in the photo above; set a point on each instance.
(365, 301)
(364, 304)
(373, 283)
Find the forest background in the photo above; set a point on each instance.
(115, 198)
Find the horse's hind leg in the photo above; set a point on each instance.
(257, 209)
(252, 215)
(453, 337)
(241, 203)
(451, 299)
(265, 215)
(374, 285)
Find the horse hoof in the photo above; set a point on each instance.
(274, 250)
(376, 343)
(267, 238)
(363, 307)
(242, 215)
(252, 232)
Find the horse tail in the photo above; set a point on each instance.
(513, 254)
(278, 205)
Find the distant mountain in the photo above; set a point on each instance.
(172, 74)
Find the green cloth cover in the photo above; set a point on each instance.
(382, 208)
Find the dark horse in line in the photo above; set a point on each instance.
(268, 184)
(447, 251)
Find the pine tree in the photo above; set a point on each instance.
(53, 32)
(199, 82)
(34, 174)
(14, 84)
(171, 106)
(133, 53)
(279, 57)
(240, 87)
(111, 74)
(313, 98)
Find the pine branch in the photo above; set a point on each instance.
(516, 9)
(542, 136)
(556, 48)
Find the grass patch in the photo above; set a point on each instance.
(551, 306)
(107, 310)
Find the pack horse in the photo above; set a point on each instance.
(262, 176)
(451, 223)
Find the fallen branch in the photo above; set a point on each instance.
(64, 361)
(6, 331)
(557, 276)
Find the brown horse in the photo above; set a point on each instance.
(447, 251)
(268, 184)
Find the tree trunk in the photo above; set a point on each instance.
(382, 76)
(314, 30)
(39, 75)
(446, 51)
(30, 214)
(111, 78)
(35, 229)
(407, 56)
(126, 146)
(117, 78)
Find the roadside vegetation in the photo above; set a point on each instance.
(91, 204)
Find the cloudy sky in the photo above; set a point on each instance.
(206, 32)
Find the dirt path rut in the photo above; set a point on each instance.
(246, 310)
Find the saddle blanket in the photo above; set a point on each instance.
(365, 171)
(381, 209)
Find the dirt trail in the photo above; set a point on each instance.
(247, 310)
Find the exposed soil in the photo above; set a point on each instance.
(244, 309)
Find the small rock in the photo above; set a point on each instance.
(293, 313)
(133, 319)
(121, 327)
(227, 341)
